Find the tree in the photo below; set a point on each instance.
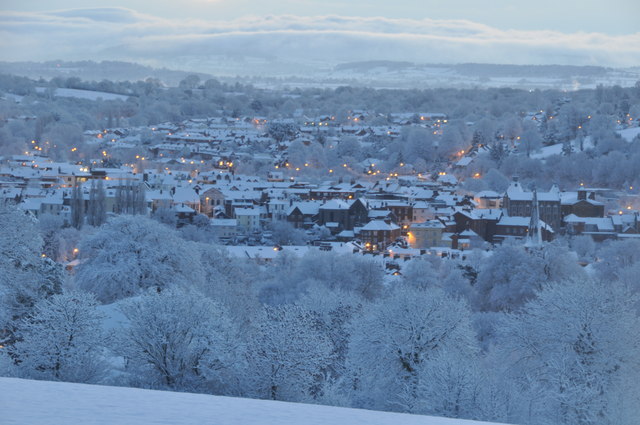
(77, 207)
(97, 210)
(287, 355)
(62, 340)
(575, 352)
(180, 340)
(281, 131)
(393, 340)
(530, 139)
(284, 233)
(130, 254)
(25, 276)
(498, 152)
(130, 199)
(453, 384)
(190, 82)
(513, 275)
(50, 226)
(617, 257)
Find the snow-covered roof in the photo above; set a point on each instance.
(377, 225)
(306, 208)
(488, 194)
(335, 204)
(430, 224)
(521, 222)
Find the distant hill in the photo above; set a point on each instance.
(96, 71)
(483, 69)
(45, 403)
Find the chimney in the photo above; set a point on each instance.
(582, 195)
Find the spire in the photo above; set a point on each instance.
(534, 237)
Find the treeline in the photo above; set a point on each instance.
(520, 336)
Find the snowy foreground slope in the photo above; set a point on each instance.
(51, 403)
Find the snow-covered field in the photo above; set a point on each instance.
(85, 94)
(51, 403)
(629, 134)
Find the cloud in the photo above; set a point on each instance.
(124, 34)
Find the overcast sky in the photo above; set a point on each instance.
(588, 32)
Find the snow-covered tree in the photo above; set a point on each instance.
(531, 139)
(180, 340)
(513, 274)
(393, 340)
(285, 234)
(25, 276)
(77, 207)
(618, 256)
(288, 355)
(451, 384)
(97, 209)
(575, 352)
(62, 340)
(132, 253)
(334, 310)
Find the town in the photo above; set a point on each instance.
(193, 173)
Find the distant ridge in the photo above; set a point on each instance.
(97, 71)
(481, 69)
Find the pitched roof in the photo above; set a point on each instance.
(376, 225)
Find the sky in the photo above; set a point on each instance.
(190, 32)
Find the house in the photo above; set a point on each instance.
(426, 235)
(599, 228)
(224, 228)
(275, 176)
(210, 199)
(480, 221)
(518, 227)
(277, 209)
(467, 240)
(347, 214)
(184, 214)
(581, 203)
(377, 235)
(248, 218)
(303, 214)
(519, 203)
(422, 212)
(487, 199)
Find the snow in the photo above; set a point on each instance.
(548, 151)
(629, 134)
(85, 94)
(51, 403)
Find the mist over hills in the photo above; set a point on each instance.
(274, 73)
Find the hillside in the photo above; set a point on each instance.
(43, 402)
